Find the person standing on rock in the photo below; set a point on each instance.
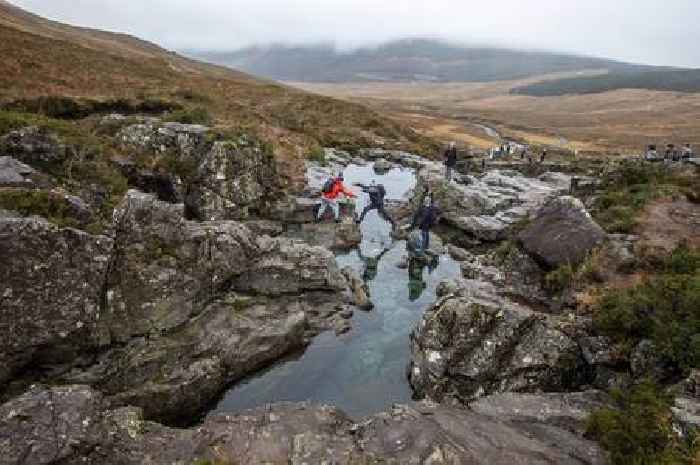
(376, 193)
(425, 218)
(333, 188)
(450, 160)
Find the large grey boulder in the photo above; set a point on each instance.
(561, 233)
(473, 342)
(233, 178)
(73, 425)
(14, 173)
(154, 136)
(51, 288)
(486, 207)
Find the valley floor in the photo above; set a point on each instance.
(621, 121)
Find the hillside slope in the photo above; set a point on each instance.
(664, 80)
(46, 58)
(406, 60)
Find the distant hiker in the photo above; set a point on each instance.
(332, 188)
(425, 218)
(543, 156)
(376, 192)
(450, 160)
(483, 164)
(522, 154)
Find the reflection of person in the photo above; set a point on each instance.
(416, 283)
(371, 264)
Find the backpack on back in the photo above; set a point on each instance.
(328, 186)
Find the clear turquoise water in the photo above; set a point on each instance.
(364, 371)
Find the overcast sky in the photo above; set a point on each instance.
(663, 32)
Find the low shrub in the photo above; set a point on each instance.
(317, 154)
(53, 207)
(638, 428)
(60, 107)
(197, 115)
(664, 308)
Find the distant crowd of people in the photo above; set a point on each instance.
(671, 152)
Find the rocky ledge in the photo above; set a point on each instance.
(164, 312)
(75, 425)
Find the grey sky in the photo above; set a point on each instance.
(663, 32)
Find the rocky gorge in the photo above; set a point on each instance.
(116, 343)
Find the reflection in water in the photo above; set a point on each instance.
(364, 371)
(416, 282)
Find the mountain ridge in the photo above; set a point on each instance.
(415, 59)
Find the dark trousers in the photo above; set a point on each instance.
(425, 234)
(380, 210)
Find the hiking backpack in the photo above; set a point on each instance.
(328, 186)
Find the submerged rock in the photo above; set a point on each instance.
(78, 427)
(561, 233)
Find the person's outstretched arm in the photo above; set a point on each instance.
(347, 191)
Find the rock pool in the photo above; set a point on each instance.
(363, 371)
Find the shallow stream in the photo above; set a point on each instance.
(363, 371)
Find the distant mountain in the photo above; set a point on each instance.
(406, 60)
(669, 80)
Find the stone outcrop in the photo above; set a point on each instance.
(473, 342)
(73, 424)
(14, 173)
(233, 178)
(164, 315)
(486, 207)
(51, 283)
(562, 232)
(154, 136)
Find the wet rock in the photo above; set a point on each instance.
(473, 343)
(51, 284)
(562, 232)
(360, 290)
(33, 146)
(79, 428)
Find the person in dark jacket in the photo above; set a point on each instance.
(376, 192)
(425, 218)
(450, 160)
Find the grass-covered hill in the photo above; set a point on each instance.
(661, 80)
(405, 60)
(43, 58)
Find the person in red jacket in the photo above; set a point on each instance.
(329, 198)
